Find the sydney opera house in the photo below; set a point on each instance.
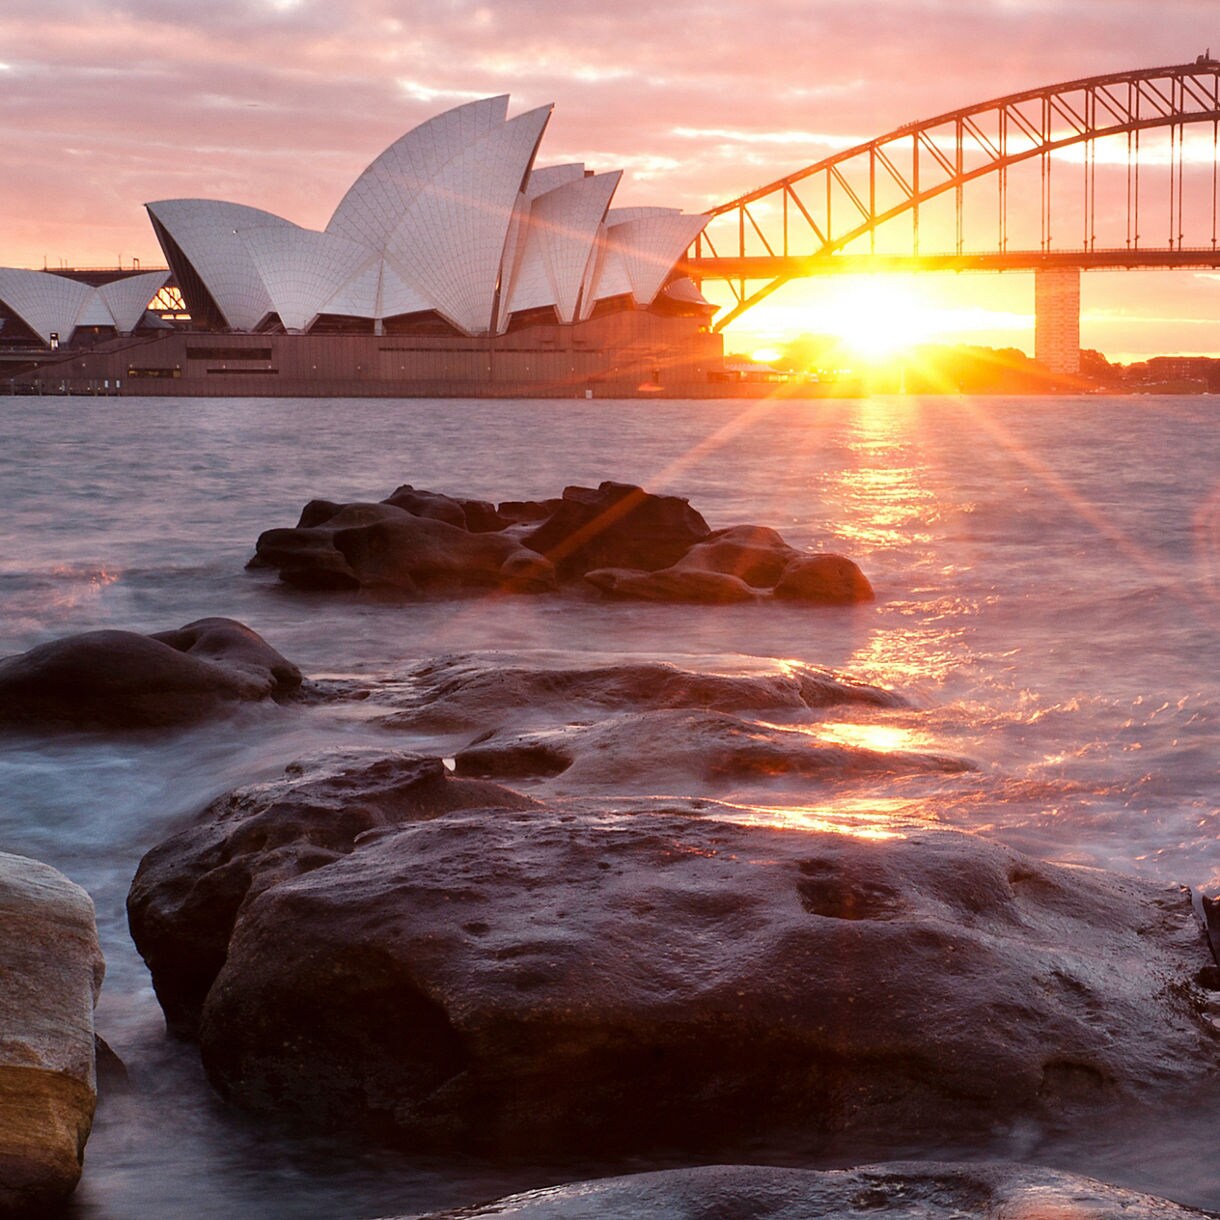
(454, 264)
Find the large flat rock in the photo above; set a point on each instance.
(915, 1191)
(50, 973)
(548, 979)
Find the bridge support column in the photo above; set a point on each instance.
(1057, 319)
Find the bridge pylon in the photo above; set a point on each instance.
(1057, 319)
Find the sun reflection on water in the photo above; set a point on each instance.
(879, 818)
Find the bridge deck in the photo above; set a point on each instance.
(768, 267)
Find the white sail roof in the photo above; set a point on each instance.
(373, 206)
(618, 216)
(51, 304)
(451, 239)
(206, 231)
(648, 248)
(128, 299)
(48, 304)
(547, 177)
(301, 269)
(607, 275)
(563, 232)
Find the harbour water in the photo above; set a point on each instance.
(1048, 602)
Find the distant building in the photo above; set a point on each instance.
(453, 225)
(485, 270)
(52, 308)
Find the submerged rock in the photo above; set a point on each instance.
(50, 974)
(673, 585)
(645, 752)
(622, 539)
(478, 691)
(929, 1190)
(121, 679)
(546, 980)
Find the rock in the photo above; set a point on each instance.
(616, 525)
(928, 1190)
(419, 554)
(477, 692)
(745, 563)
(306, 556)
(548, 980)
(431, 504)
(520, 512)
(111, 1071)
(673, 585)
(120, 679)
(832, 579)
(231, 644)
(666, 749)
(752, 553)
(51, 972)
(390, 545)
(477, 516)
(188, 891)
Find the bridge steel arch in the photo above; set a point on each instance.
(827, 216)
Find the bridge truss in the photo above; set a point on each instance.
(1106, 158)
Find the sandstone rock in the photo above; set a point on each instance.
(520, 512)
(189, 890)
(745, 563)
(422, 554)
(753, 553)
(616, 525)
(547, 980)
(478, 516)
(478, 691)
(673, 585)
(120, 679)
(831, 579)
(306, 556)
(927, 1190)
(50, 974)
(667, 749)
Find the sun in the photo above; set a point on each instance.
(878, 316)
(876, 321)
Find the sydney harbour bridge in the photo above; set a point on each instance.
(1105, 172)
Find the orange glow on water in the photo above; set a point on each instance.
(883, 738)
(879, 819)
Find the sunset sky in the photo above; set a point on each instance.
(280, 104)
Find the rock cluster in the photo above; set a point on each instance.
(50, 973)
(927, 1189)
(121, 679)
(544, 978)
(617, 537)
